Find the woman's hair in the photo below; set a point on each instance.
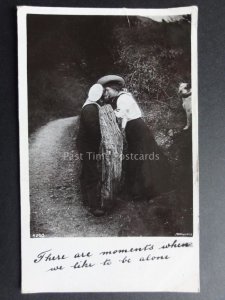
(114, 85)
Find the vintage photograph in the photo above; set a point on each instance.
(110, 125)
(108, 121)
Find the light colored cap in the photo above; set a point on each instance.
(95, 92)
(108, 78)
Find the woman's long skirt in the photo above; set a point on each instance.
(147, 168)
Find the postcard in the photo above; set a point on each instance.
(108, 124)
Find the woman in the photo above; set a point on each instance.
(147, 169)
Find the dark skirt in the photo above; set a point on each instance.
(147, 168)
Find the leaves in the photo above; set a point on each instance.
(154, 57)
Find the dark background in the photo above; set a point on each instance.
(211, 143)
(67, 54)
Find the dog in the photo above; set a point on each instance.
(184, 91)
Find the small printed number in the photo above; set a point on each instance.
(38, 235)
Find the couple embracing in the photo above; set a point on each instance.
(146, 169)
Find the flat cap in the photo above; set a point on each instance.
(108, 78)
(95, 92)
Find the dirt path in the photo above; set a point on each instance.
(55, 195)
(56, 206)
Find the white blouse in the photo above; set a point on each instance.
(127, 108)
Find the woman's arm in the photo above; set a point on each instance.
(123, 103)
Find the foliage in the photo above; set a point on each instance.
(154, 58)
(67, 54)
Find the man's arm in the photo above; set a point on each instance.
(91, 120)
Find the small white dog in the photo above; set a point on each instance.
(185, 93)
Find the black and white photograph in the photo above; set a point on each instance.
(110, 131)
(108, 123)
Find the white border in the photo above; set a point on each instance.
(31, 246)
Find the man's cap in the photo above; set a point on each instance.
(111, 78)
(95, 92)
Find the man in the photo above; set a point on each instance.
(88, 143)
